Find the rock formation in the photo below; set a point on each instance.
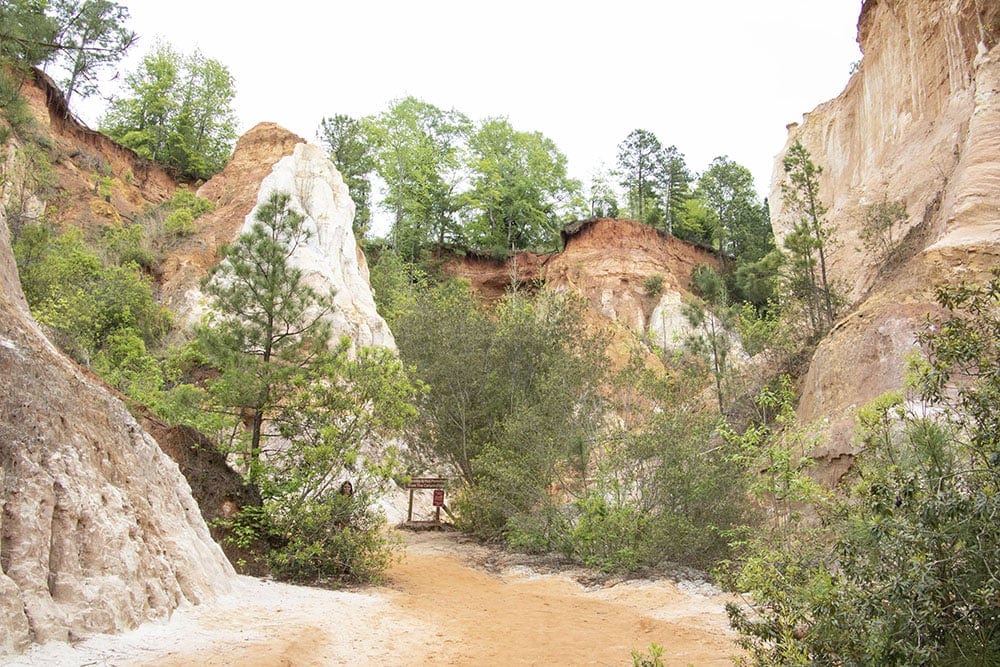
(607, 262)
(919, 122)
(269, 159)
(98, 529)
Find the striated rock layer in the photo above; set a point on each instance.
(98, 529)
(608, 262)
(919, 122)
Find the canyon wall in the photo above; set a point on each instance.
(918, 123)
(98, 529)
(608, 262)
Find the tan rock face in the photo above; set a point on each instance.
(608, 262)
(919, 122)
(98, 529)
(234, 192)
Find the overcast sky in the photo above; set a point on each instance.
(712, 77)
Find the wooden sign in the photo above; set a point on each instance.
(427, 483)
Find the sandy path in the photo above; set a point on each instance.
(522, 618)
(440, 607)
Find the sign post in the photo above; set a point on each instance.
(437, 484)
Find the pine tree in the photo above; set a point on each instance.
(801, 195)
(268, 325)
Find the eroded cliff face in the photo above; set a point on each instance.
(98, 529)
(607, 262)
(919, 122)
(270, 159)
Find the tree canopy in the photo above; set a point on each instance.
(519, 185)
(417, 150)
(92, 36)
(177, 110)
(348, 148)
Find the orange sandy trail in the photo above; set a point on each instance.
(439, 608)
(485, 620)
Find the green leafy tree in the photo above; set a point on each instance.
(675, 184)
(92, 36)
(205, 124)
(881, 227)
(267, 323)
(341, 404)
(27, 35)
(417, 149)
(346, 143)
(177, 111)
(710, 338)
(602, 197)
(696, 223)
(85, 303)
(743, 230)
(512, 396)
(26, 39)
(642, 165)
(312, 406)
(664, 485)
(811, 232)
(519, 186)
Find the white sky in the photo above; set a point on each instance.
(712, 77)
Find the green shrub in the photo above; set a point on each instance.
(904, 571)
(183, 209)
(81, 300)
(611, 537)
(652, 659)
(653, 285)
(125, 244)
(545, 529)
(336, 537)
(124, 363)
(179, 223)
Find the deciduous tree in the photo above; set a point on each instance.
(348, 148)
(417, 150)
(177, 111)
(519, 187)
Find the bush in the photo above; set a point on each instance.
(184, 208)
(653, 285)
(339, 537)
(125, 244)
(124, 363)
(652, 659)
(179, 223)
(612, 537)
(904, 571)
(80, 299)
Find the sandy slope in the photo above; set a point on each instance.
(446, 603)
